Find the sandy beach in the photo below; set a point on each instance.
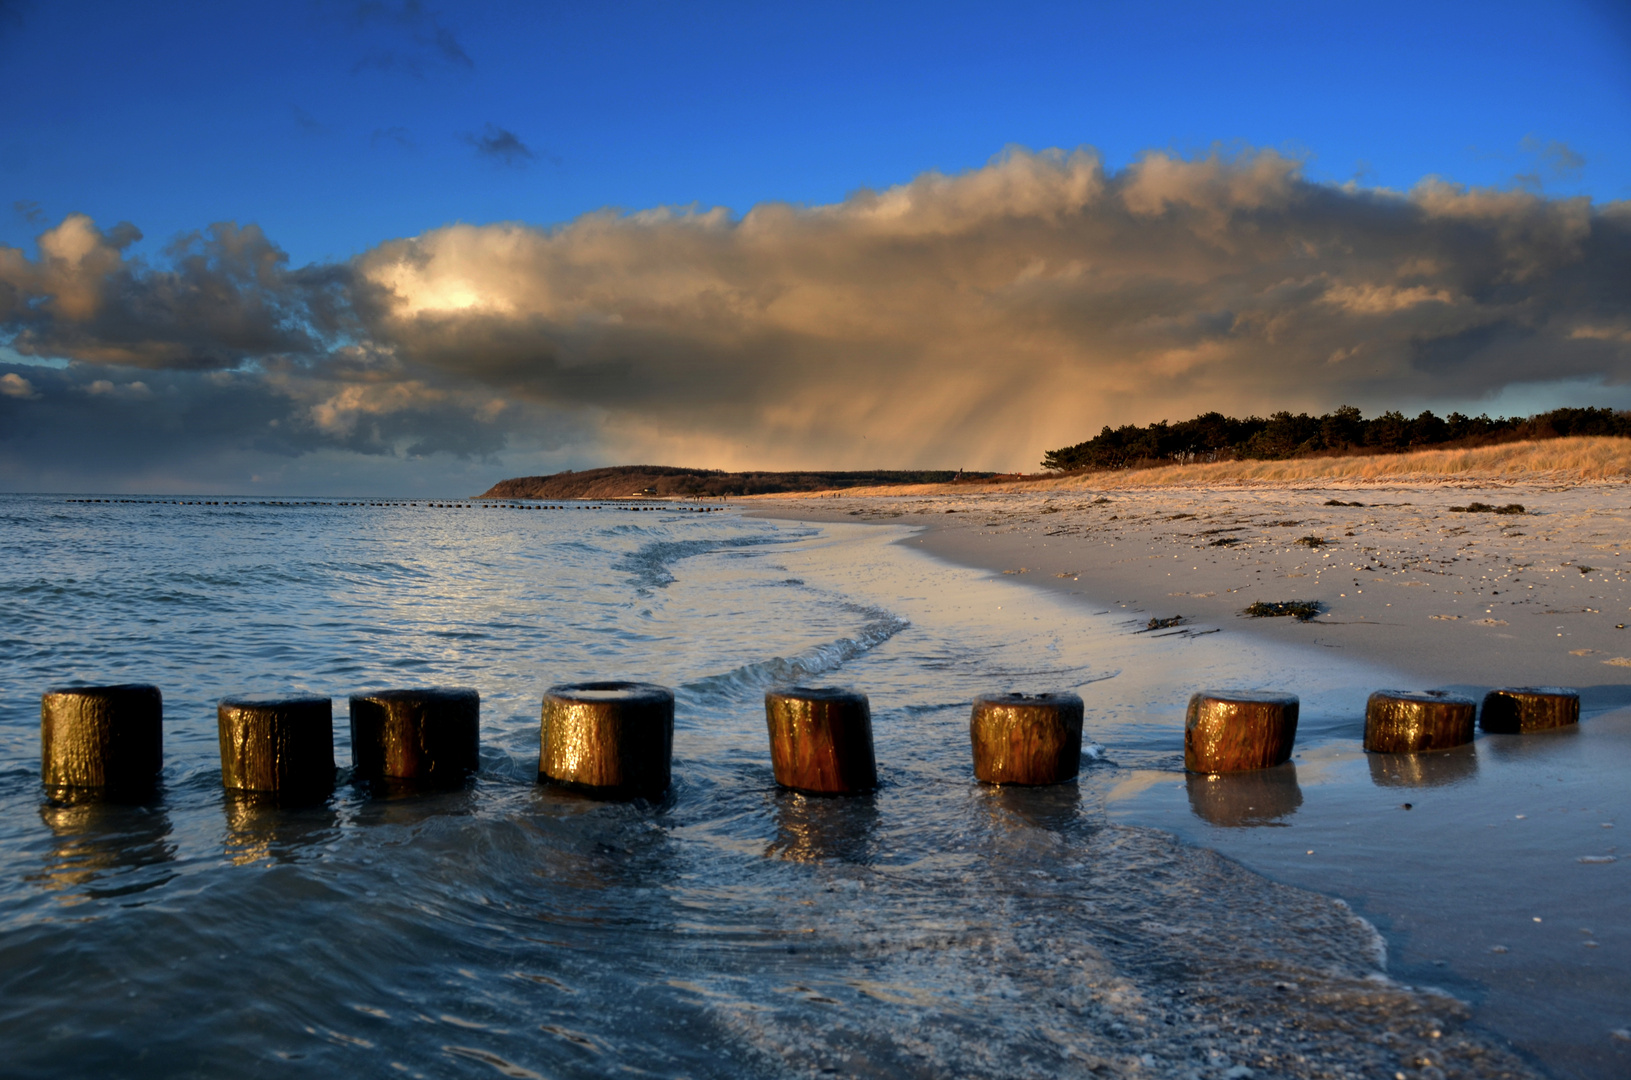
(1452, 597)
(1492, 871)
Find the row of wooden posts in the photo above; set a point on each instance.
(615, 739)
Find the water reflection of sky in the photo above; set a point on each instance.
(709, 934)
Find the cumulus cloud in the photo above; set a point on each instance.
(971, 320)
(14, 385)
(224, 296)
(986, 316)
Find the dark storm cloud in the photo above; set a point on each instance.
(500, 145)
(980, 318)
(223, 297)
(1022, 304)
(96, 419)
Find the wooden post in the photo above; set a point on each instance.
(611, 739)
(101, 741)
(279, 746)
(1225, 731)
(821, 740)
(1407, 722)
(429, 737)
(1513, 710)
(1026, 738)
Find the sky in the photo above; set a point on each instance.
(407, 249)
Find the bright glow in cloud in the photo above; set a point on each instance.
(971, 320)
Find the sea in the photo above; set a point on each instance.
(935, 928)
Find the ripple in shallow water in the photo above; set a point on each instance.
(932, 929)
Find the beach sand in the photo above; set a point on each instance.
(1493, 871)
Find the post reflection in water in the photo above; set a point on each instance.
(1435, 769)
(1530, 744)
(1245, 799)
(102, 849)
(262, 826)
(811, 828)
(1052, 808)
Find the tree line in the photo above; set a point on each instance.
(1214, 437)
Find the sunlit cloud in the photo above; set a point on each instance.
(973, 320)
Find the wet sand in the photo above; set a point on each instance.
(1493, 871)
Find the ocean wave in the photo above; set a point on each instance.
(751, 680)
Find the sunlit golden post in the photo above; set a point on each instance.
(1408, 722)
(1227, 731)
(1026, 738)
(282, 747)
(101, 741)
(1516, 710)
(609, 739)
(428, 737)
(821, 740)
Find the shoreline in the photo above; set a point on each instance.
(1452, 598)
(1477, 881)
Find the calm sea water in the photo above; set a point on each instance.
(935, 928)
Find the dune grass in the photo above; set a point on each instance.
(1574, 459)
(1577, 458)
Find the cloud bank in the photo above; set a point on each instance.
(971, 320)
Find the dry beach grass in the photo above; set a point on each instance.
(1543, 461)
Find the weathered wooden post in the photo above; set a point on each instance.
(611, 739)
(429, 737)
(1408, 722)
(1225, 731)
(1026, 738)
(821, 740)
(1513, 710)
(277, 746)
(101, 741)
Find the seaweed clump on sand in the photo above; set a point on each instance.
(1487, 508)
(1301, 610)
(1313, 541)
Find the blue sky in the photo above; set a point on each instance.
(335, 126)
(340, 128)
